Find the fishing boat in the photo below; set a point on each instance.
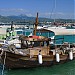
(37, 51)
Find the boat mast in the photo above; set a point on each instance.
(36, 24)
(12, 26)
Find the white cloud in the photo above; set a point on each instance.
(57, 15)
(29, 15)
(19, 11)
(13, 10)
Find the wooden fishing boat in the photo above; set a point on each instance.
(36, 51)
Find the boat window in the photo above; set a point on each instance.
(52, 46)
(19, 32)
(45, 43)
(37, 43)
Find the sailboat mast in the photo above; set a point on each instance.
(36, 24)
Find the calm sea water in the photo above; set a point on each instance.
(61, 69)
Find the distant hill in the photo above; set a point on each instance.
(25, 18)
(18, 17)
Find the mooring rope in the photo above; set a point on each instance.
(4, 64)
(1, 52)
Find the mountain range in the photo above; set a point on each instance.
(25, 18)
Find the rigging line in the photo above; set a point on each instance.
(54, 7)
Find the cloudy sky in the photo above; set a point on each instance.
(45, 8)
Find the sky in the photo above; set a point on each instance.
(46, 8)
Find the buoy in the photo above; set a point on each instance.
(40, 58)
(57, 57)
(71, 55)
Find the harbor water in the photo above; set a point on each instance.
(61, 69)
